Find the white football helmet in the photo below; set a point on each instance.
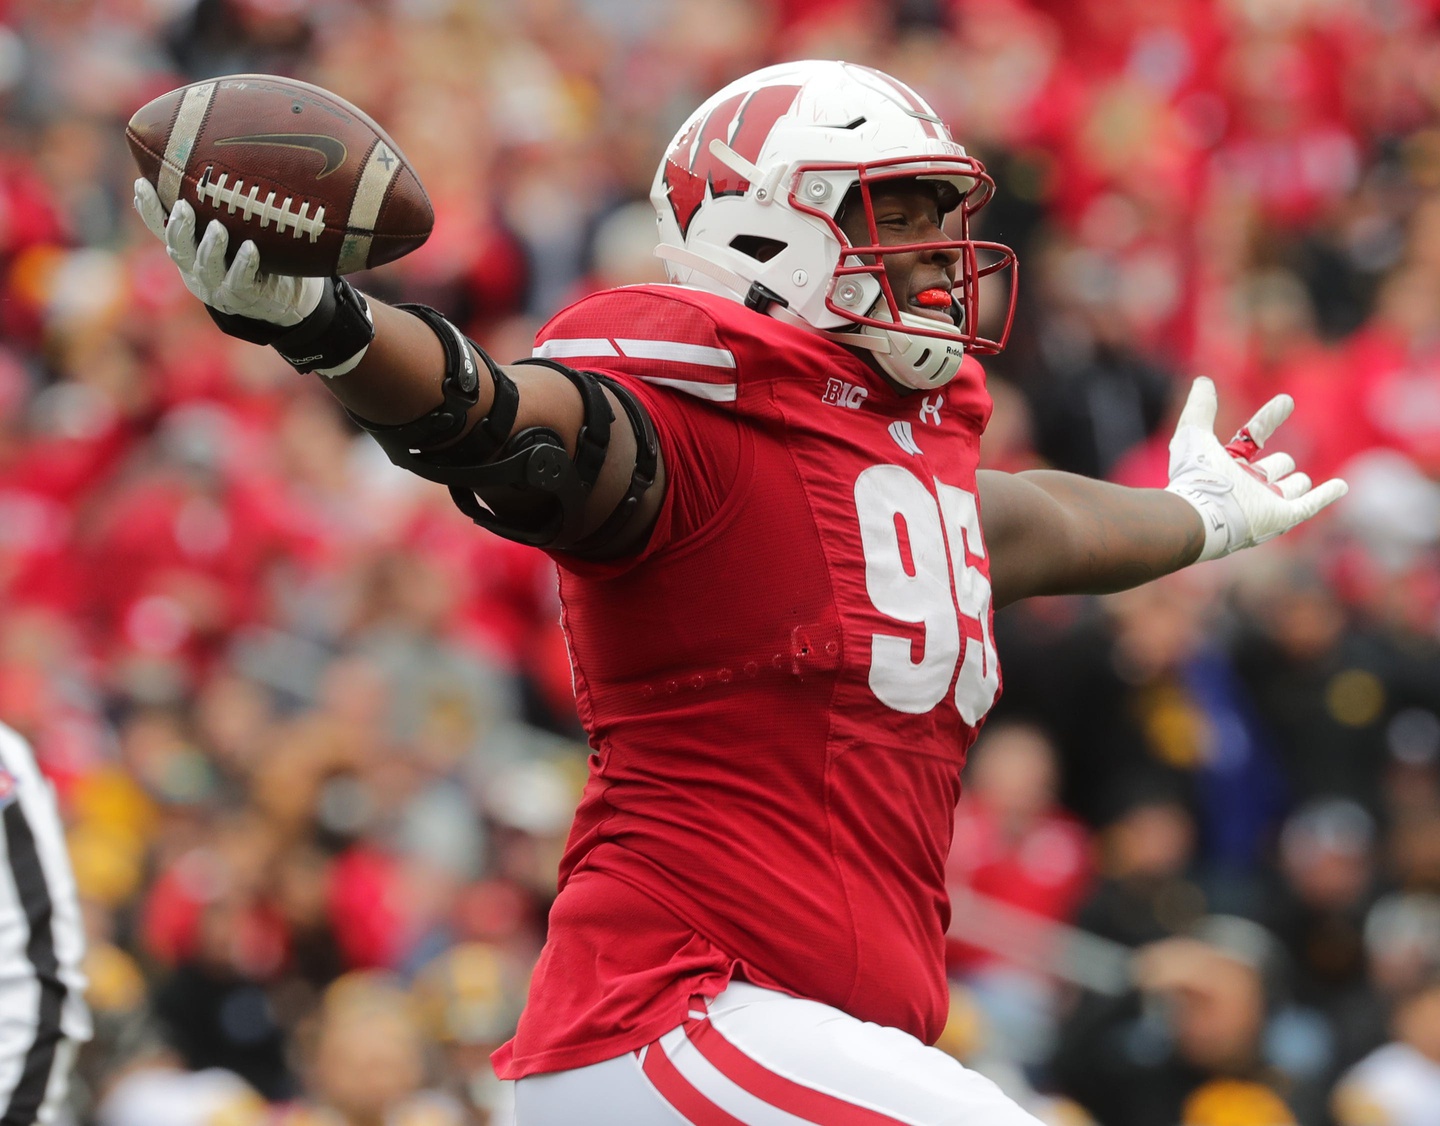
(763, 167)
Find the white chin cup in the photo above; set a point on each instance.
(919, 362)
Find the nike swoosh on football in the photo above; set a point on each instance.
(334, 151)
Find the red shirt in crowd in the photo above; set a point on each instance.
(1043, 869)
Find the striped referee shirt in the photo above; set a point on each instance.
(42, 1010)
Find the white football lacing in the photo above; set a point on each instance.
(249, 205)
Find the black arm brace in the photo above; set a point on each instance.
(532, 460)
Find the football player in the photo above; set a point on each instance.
(760, 485)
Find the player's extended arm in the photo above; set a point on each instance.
(1058, 533)
(415, 382)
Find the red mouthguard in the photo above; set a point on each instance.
(936, 298)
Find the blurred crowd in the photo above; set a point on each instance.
(313, 733)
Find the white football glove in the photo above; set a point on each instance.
(242, 289)
(1243, 499)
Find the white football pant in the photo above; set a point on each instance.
(754, 1057)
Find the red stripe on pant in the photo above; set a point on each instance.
(676, 1090)
(785, 1094)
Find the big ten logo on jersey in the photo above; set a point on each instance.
(838, 393)
(918, 547)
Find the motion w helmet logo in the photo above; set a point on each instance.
(743, 122)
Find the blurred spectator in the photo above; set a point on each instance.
(1412, 769)
(1196, 1042)
(208, 918)
(1325, 688)
(158, 1091)
(1012, 841)
(470, 998)
(1288, 149)
(1015, 846)
(1398, 1084)
(1147, 853)
(366, 1066)
(1198, 725)
(1402, 951)
(1093, 392)
(1281, 351)
(1327, 867)
(1395, 361)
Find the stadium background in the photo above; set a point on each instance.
(312, 732)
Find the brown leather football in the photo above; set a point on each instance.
(311, 179)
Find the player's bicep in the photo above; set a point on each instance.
(1026, 536)
(1060, 533)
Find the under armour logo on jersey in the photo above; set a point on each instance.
(930, 412)
(841, 394)
(905, 438)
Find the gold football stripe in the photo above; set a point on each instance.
(380, 168)
(182, 141)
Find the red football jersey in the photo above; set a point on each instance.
(780, 689)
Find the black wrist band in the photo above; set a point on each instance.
(339, 327)
(247, 328)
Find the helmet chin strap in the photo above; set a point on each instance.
(683, 256)
(918, 362)
(898, 354)
(861, 339)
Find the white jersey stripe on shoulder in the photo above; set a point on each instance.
(672, 350)
(715, 392)
(701, 355)
(563, 349)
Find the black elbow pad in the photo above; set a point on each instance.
(534, 459)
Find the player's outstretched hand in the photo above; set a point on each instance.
(1243, 498)
(239, 290)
